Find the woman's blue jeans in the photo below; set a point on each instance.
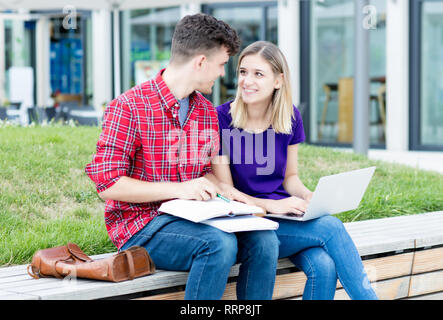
(321, 248)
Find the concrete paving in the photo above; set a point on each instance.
(424, 160)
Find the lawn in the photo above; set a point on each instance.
(47, 200)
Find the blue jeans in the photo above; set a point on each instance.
(321, 248)
(208, 254)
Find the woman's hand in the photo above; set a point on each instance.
(232, 193)
(289, 205)
(308, 196)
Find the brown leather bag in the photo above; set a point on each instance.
(71, 260)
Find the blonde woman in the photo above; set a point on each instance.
(260, 131)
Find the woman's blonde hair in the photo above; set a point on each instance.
(282, 111)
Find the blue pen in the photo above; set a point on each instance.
(223, 198)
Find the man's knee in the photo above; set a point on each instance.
(221, 247)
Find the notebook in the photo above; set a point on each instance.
(335, 194)
(230, 216)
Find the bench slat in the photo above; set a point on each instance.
(370, 236)
(7, 295)
(292, 284)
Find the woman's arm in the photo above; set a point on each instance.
(222, 172)
(292, 183)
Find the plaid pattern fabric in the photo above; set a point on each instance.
(142, 139)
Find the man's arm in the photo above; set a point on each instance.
(109, 168)
(136, 191)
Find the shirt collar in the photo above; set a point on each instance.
(166, 96)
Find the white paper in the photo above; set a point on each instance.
(198, 211)
(242, 223)
(230, 216)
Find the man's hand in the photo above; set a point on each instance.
(197, 189)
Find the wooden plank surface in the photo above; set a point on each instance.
(370, 237)
(432, 296)
(389, 267)
(426, 283)
(428, 260)
(6, 295)
(396, 269)
(18, 281)
(292, 284)
(391, 289)
(397, 233)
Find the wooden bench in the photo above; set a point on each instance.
(402, 255)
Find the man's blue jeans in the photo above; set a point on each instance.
(321, 248)
(208, 254)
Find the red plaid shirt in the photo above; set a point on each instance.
(142, 139)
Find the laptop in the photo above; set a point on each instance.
(335, 194)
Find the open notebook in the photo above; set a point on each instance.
(230, 217)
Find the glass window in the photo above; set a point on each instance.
(67, 49)
(71, 60)
(148, 33)
(332, 71)
(272, 24)
(253, 22)
(247, 23)
(19, 61)
(68, 74)
(431, 70)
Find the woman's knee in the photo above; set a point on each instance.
(331, 221)
(264, 244)
(330, 225)
(316, 262)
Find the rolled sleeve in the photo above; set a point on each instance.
(115, 148)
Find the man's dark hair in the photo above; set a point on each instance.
(202, 33)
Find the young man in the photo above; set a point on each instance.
(156, 145)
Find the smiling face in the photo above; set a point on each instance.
(256, 80)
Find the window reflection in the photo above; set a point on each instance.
(18, 66)
(432, 69)
(246, 21)
(249, 22)
(332, 72)
(149, 37)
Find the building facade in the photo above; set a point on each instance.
(91, 53)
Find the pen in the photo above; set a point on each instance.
(223, 198)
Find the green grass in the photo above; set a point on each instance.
(47, 200)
